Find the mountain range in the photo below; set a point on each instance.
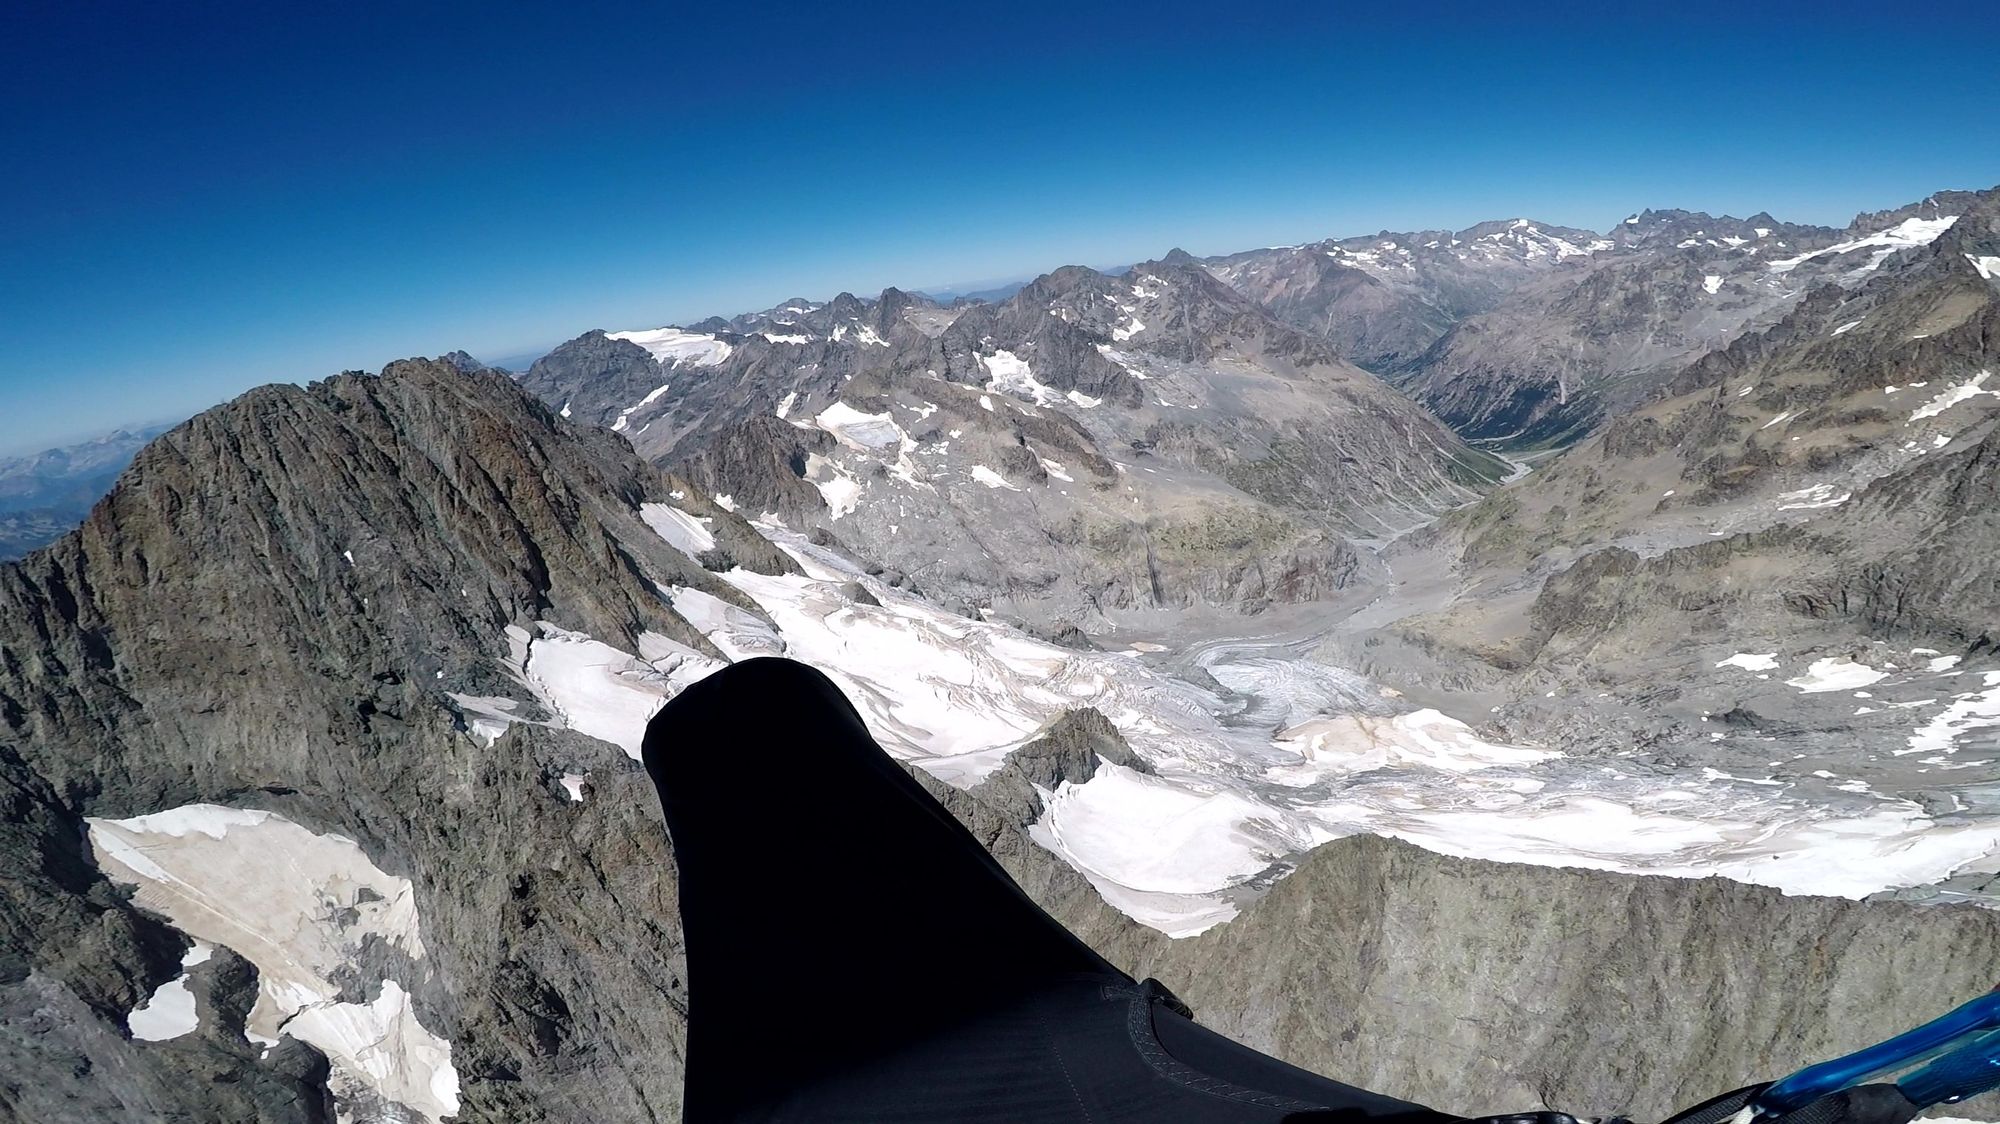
(1506, 668)
(45, 494)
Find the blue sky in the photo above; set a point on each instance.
(206, 197)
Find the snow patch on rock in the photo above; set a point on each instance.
(1356, 743)
(685, 533)
(736, 632)
(1910, 232)
(1976, 710)
(991, 478)
(598, 690)
(1836, 673)
(625, 415)
(1816, 496)
(170, 1012)
(1010, 374)
(298, 905)
(856, 430)
(840, 491)
(674, 347)
(1963, 392)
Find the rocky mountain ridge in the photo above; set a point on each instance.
(1170, 442)
(1381, 300)
(334, 667)
(280, 608)
(1776, 569)
(1559, 357)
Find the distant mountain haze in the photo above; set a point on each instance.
(44, 495)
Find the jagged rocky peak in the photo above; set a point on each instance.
(762, 464)
(1937, 208)
(1194, 316)
(893, 303)
(844, 307)
(1974, 238)
(462, 361)
(591, 377)
(1057, 283)
(1070, 750)
(845, 318)
(1676, 229)
(1173, 305)
(1060, 287)
(275, 662)
(1527, 239)
(1048, 334)
(325, 476)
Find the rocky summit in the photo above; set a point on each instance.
(1512, 667)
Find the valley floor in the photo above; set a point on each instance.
(1264, 743)
(1343, 726)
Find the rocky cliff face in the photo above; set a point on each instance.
(1470, 985)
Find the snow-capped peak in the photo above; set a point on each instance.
(1902, 236)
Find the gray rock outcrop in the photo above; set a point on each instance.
(1069, 750)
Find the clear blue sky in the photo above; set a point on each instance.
(204, 197)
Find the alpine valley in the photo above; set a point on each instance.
(1454, 661)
